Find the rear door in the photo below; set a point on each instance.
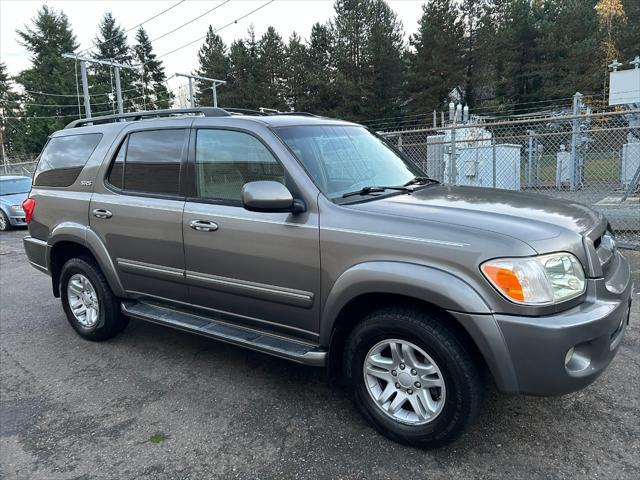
(261, 268)
(137, 211)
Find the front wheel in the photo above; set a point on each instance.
(413, 377)
(5, 224)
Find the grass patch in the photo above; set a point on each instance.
(158, 438)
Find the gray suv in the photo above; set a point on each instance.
(313, 240)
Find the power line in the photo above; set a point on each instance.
(190, 21)
(134, 27)
(215, 31)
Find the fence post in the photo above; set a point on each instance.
(400, 142)
(453, 160)
(530, 154)
(493, 160)
(575, 131)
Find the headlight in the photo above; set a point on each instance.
(16, 208)
(538, 280)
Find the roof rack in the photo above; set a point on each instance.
(133, 116)
(206, 111)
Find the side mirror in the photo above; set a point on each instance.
(269, 196)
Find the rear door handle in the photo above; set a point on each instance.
(102, 213)
(203, 225)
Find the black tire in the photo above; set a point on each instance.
(5, 224)
(460, 366)
(110, 319)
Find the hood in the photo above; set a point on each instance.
(528, 217)
(14, 198)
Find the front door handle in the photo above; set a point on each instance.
(203, 225)
(102, 213)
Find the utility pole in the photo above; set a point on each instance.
(85, 84)
(214, 84)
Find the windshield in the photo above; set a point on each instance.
(343, 159)
(14, 185)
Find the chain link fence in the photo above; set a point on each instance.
(593, 159)
(18, 166)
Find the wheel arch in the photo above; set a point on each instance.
(369, 286)
(69, 240)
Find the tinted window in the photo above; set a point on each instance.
(226, 160)
(152, 162)
(64, 158)
(117, 168)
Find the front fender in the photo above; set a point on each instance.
(78, 233)
(421, 282)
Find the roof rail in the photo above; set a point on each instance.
(246, 111)
(133, 116)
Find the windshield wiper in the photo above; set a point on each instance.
(421, 181)
(373, 189)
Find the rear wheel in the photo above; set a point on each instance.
(91, 307)
(4, 222)
(413, 378)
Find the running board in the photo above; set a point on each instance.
(245, 337)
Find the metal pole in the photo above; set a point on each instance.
(575, 131)
(493, 160)
(85, 89)
(116, 71)
(192, 100)
(453, 167)
(530, 158)
(435, 119)
(215, 94)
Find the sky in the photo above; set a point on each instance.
(285, 15)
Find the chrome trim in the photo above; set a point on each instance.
(149, 269)
(290, 296)
(38, 267)
(397, 237)
(261, 220)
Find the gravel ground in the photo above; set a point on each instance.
(158, 403)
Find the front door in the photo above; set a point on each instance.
(262, 269)
(137, 213)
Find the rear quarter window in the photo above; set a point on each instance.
(64, 158)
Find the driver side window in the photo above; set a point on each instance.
(227, 159)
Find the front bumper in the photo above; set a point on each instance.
(528, 355)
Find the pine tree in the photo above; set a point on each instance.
(271, 51)
(46, 39)
(567, 49)
(384, 81)
(436, 64)
(321, 71)
(246, 83)
(151, 83)
(111, 44)
(213, 62)
(350, 32)
(9, 107)
(296, 72)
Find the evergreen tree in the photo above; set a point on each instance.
(111, 44)
(322, 98)
(151, 82)
(436, 64)
(385, 69)
(213, 62)
(518, 80)
(628, 35)
(271, 52)
(46, 39)
(9, 107)
(350, 33)
(246, 83)
(296, 72)
(566, 50)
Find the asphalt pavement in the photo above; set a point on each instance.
(161, 404)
